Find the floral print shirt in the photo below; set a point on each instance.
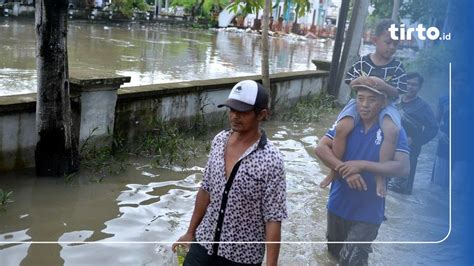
(257, 195)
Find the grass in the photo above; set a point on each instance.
(167, 144)
(5, 198)
(102, 160)
(310, 109)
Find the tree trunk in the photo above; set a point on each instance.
(395, 9)
(265, 60)
(197, 9)
(56, 151)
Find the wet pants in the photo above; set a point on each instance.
(197, 256)
(341, 230)
(405, 185)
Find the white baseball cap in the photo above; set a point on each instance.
(246, 95)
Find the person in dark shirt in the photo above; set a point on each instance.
(440, 174)
(421, 126)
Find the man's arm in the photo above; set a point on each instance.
(202, 201)
(399, 166)
(273, 234)
(326, 155)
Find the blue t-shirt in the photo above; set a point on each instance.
(351, 204)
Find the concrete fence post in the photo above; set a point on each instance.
(97, 97)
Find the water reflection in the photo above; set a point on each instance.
(149, 204)
(150, 53)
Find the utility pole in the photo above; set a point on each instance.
(265, 49)
(351, 48)
(336, 54)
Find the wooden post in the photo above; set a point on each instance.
(351, 47)
(265, 57)
(336, 54)
(395, 10)
(56, 151)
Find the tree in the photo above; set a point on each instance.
(265, 48)
(56, 150)
(250, 6)
(203, 8)
(127, 7)
(423, 11)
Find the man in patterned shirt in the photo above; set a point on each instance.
(243, 193)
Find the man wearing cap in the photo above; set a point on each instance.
(355, 212)
(243, 192)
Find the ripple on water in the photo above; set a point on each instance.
(161, 211)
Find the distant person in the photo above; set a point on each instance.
(243, 192)
(440, 175)
(270, 23)
(355, 210)
(382, 71)
(421, 126)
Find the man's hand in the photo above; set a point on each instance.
(356, 182)
(188, 237)
(350, 168)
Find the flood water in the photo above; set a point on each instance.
(131, 218)
(146, 204)
(151, 53)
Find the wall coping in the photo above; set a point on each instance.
(173, 88)
(27, 102)
(87, 82)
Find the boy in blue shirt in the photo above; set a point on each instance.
(381, 71)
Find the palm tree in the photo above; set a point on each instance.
(253, 7)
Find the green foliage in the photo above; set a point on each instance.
(247, 6)
(423, 11)
(382, 8)
(186, 4)
(201, 8)
(167, 144)
(5, 198)
(127, 7)
(310, 109)
(253, 6)
(430, 60)
(213, 6)
(301, 6)
(102, 160)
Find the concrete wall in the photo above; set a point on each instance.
(136, 109)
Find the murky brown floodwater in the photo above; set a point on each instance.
(151, 53)
(149, 204)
